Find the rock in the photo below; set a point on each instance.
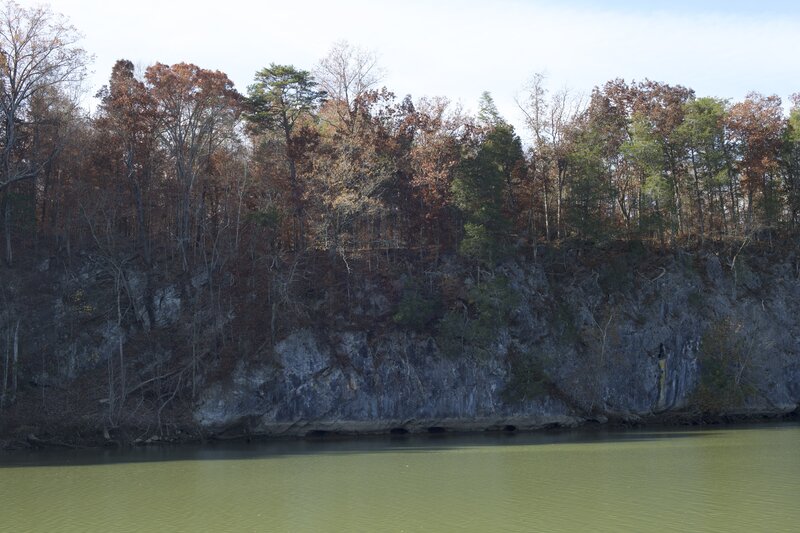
(352, 382)
(166, 306)
(630, 355)
(714, 270)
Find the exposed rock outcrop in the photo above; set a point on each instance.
(626, 339)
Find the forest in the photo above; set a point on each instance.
(176, 164)
(251, 198)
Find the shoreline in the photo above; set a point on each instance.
(65, 440)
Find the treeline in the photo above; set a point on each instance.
(179, 167)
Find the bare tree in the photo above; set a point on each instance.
(547, 118)
(197, 110)
(38, 51)
(346, 74)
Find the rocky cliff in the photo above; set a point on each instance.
(691, 336)
(557, 339)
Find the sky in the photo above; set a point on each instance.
(459, 49)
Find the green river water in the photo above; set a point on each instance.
(728, 479)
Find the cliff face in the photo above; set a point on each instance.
(690, 336)
(563, 342)
(352, 384)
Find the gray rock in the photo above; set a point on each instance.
(628, 356)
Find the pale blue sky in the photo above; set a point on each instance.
(458, 49)
(746, 7)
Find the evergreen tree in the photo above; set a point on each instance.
(482, 184)
(280, 96)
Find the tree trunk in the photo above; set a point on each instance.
(144, 241)
(122, 385)
(15, 363)
(6, 208)
(5, 370)
(546, 210)
(734, 209)
(721, 201)
(698, 197)
(298, 205)
(561, 171)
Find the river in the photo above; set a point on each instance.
(743, 478)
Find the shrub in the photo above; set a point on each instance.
(472, 329)
(416, 309)
(453, 333)
(527, 378)
(269, 217)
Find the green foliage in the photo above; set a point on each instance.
(494, 300)
(472, 329)
(589, 188)
(269, 217)
(478, 190)
(703, 130)
(527, 378)
(790, 155)
(478, 187)
(416, 309)
(454, 335)
(487, 110)
(793, 131)
(279, 96)
(479, 243)
(725, 366)
(642, 149)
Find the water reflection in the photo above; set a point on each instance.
(261, 448)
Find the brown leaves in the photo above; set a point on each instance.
(756, 127)
(187, 93)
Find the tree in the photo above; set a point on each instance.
(127, 119)
(661, 108)
(589, 201)
(756, 129)
(38, 51)
(347, 74)
(196, 109)
(480, 188)
(435, 156)
(488, 115)
(279, 98)
(644, 159)
(596, 173)
(704, 134)
(790, 160)
(548, 120)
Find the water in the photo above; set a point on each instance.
(734, 479)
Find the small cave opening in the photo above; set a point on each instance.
(316, 434)
(398, 431)
(510, 428)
